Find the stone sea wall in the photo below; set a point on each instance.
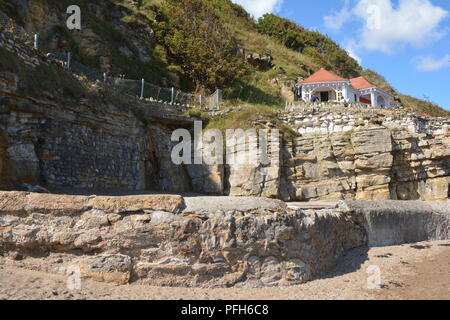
(389, 223)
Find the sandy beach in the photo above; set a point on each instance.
(410, 271)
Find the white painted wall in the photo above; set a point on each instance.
(348, 92)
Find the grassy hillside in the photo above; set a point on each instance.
(201, 45)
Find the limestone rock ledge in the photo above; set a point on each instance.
(170, 241)
(365, 154)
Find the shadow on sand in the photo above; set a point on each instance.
(348, 263)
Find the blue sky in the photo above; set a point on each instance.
(407, 41)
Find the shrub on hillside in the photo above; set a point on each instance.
(196, 39)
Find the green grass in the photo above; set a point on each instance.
(199, 114)
(253, 117)
(423, 107)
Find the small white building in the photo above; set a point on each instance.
(326, 86)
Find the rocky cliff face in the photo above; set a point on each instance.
(358, 153)
(352, 153)
(168, 240)
(73, 134)
(77, 135)
(96, 39)
(71, 146)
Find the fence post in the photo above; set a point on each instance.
(159, 91)
(142, 89)
(201, 100)
(36, 41)
(218, 98)
(104, 77)
(173, 96)
(69, 59)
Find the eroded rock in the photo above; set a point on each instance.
(213, 242)
(217, 241)
(110, 268)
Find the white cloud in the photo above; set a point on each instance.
(388, 28)
(351, 48)
(258, 8)
(429, 63)
(337, 20)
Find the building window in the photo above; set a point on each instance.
(340, 97)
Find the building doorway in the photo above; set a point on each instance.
(381, 102)
(325, 96)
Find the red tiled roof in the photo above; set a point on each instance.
(361, 83)
(323, 76)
